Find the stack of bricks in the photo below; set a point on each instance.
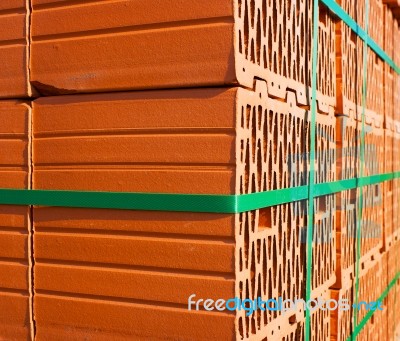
(228, 139)
(196, 97)
(15, 172)
(377, 219)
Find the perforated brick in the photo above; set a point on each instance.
(275, 44)
(371, 285)
(277, 235)
(388, 188)
(389, 73)
(232, 141)
(346, 209)
(350, 69)
(342, 320)
(347, 213)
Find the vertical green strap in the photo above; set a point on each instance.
(362, 157)
(310, 227)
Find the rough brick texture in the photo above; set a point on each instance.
(14, 18)
(15, 245)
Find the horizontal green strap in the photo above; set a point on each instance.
(363, 322)
(211, 203)
(121, 200)
(334, 7)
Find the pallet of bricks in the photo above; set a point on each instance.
(363, 274)
(194, 97)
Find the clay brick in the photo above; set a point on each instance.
(349, 71)
(392, 299)
(347, 213)
(347, 203)
(184, 43)
(223, 141)
(389, 73)
(15, 245)
(388, 190)
(14, 49)
(342, 320)
(371, 286)
(373, 197)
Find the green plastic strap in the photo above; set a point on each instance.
(310, 225)
(363, 322)
(211, 203)
(361, 165)
(334, 7)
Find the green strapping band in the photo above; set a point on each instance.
(310, 223)
(205, 203)
(362, 158)
(334, 7)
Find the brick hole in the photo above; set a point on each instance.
(247, 167)
(246, 237)
(242, 151)
(292, 320)
(259, 166)
(264, 16)
(265, 218)
(252, 12)
(258, 39)
(240, 8)
(253, 270)
(247, 318)
(240, 260)
(246, 30)
(264, 268)
(253, 128)
(252, 55)
(241, 327)
(270, 40)
(248, 115)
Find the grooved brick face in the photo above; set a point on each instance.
(14, 223)
(135, 268)
(203, 43)
(219, 141)
(14, 81)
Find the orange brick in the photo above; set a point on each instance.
(183, 43)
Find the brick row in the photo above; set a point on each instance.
(202, 43)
